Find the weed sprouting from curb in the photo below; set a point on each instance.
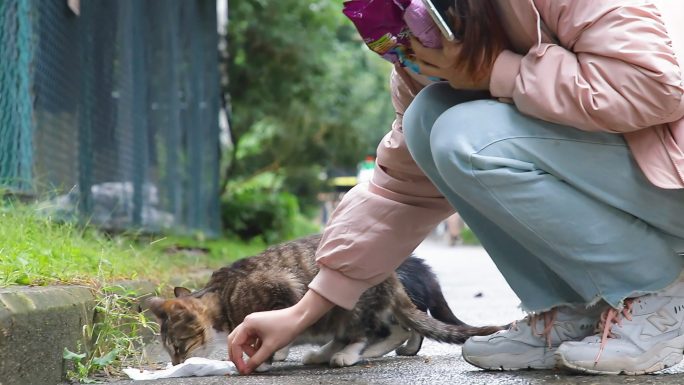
(115, 337)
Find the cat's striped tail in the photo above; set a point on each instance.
(409, 316)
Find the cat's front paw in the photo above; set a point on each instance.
(344, 359)
(281, 354)
(315, 357)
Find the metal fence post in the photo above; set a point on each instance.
(173, 129)
(140, 109)
(86, 109)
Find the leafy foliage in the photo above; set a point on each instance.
(115, 338)
(304, 91)
(251, 213)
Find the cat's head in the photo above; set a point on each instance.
(185, 325)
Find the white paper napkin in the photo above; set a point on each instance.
(192, 367)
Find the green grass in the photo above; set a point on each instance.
(37, 251)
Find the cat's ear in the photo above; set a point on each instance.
(156, 304)
(180, 291)
(174, 307)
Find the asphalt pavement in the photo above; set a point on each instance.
(478, 295)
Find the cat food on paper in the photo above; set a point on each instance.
(387, 25)
(192, 367)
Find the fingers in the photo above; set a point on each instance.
(236, 341)
(428, 69)
(243, 340)
(235, 354)
(451, 49)
(250, 350)
(433, 56)
(445, 41)
(259, 358)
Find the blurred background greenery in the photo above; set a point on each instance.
(139, 131)
(306, 100)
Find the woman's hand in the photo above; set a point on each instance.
(262, 334)
(441, 63)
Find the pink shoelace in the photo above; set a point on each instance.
(610, 317)
(549, 318)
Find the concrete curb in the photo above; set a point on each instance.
(37, 323)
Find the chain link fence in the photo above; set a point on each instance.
(113, 106)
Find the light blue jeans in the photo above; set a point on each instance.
(567, 215)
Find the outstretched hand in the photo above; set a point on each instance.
(260, 335)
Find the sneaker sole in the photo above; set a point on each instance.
(531, 361)
(671, 354)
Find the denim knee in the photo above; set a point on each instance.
(419, 118)
(462, 131)
(423, 112)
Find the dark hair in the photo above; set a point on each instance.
(477, 27)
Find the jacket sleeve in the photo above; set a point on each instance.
(378, 224)
(615, 69)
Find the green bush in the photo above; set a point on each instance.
(305, 184)
(251, 213)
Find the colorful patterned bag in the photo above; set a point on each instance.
(387, 25)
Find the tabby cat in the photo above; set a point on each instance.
(277, 278)
(424, 290)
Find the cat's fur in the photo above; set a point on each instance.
(424, 290)
(278, 278)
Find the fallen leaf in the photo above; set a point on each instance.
(368, 366)
(427, 360)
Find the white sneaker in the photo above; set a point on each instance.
(525, 346)
(645, 337)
